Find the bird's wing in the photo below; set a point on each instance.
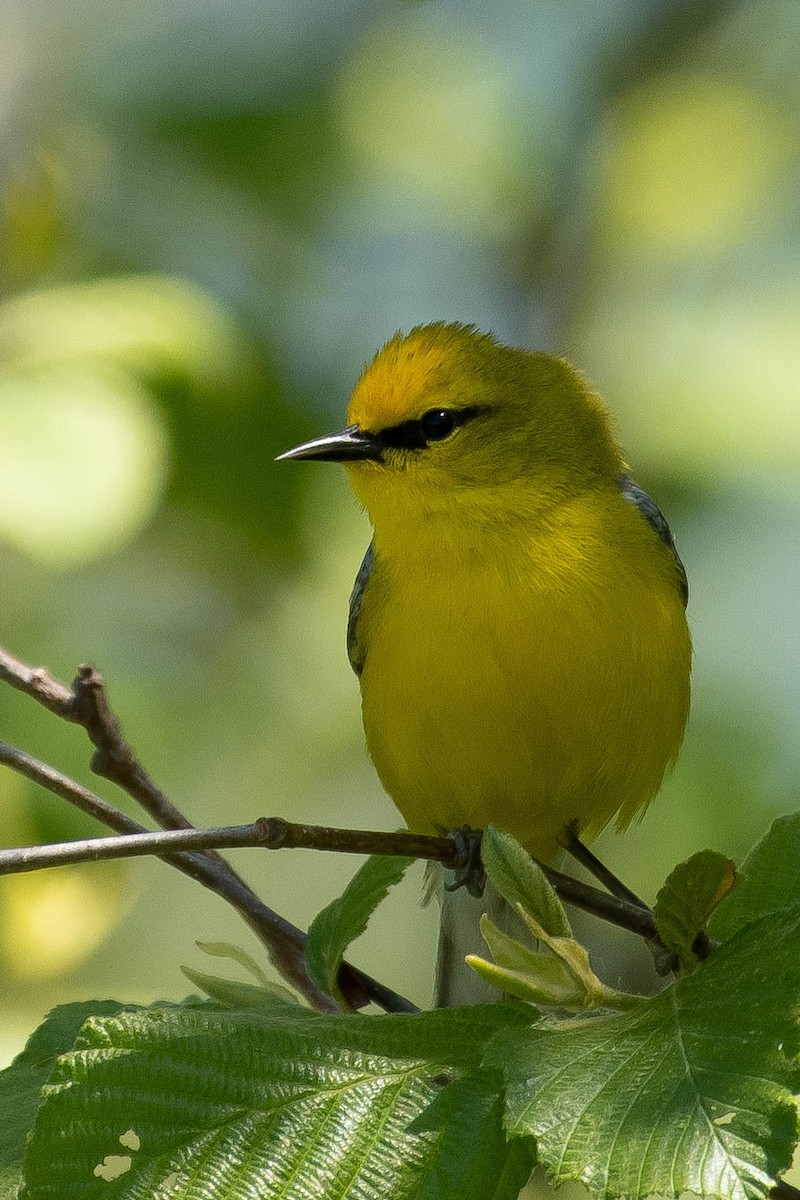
(355, 652)
(655, 518)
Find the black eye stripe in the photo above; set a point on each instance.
(408, 435)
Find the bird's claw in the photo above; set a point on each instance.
(468, 869)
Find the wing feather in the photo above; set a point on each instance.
(641, 500)
(356, 652)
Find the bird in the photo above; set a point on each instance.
(518, 623)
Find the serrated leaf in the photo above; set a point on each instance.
(230, 1105)
(767, 881)
(691, 1090)
(468, 1113)
(346, 918)
(520, 880)
(688, 898)
(22, 1081)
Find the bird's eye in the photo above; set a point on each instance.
(437, 424)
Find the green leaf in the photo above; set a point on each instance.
(520, 880)
(238, 955)
(346, 918)
(768, 879)
(560, 977)
(691, 1090)
(230, 1105)
(21, 1083)
(235, 994)
(688, 898)
(546, 981)
(467, 1113)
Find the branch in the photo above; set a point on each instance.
(193, 851)
(86, 704)
(268, 833)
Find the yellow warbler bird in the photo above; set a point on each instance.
(518, 623)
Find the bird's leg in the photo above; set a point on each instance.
(586, 858)
(468, 869)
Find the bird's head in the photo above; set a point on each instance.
(446, 420)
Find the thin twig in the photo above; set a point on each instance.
(270, 833)
(267, 833)
(290, 951)
(210, 872)
(613, 909)
(194, 851)
(702, 945)
(86, 704)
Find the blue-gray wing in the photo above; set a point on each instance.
(647, 506)
(354, 652)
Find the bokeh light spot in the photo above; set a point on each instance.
(692, 157)
(83, 462)
(712, 389)
(430, 117)
(53, 920)
(155, 326)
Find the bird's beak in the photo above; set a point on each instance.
(349, 445)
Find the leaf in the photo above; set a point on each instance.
(539, 978)
(237, 955)
(467, 1113)
(520, 880)
(768, 879)
(230, 1105)
(691, 1090)
(22, 1081)
(561, 977)
(235, 994)
(688, 898)
(269, 995)
(346, 918)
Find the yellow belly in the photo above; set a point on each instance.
(532, 692)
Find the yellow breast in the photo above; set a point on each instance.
(535, 679)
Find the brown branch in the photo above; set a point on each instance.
(286, 943)
(38, 683)
(266, 833)
(194, 851)
(269, 833)
(785, 1191)
(601, 872)
(86, 705)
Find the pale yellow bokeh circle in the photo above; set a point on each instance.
(53, 920)
(430, 117)
(690, 160)
(83, 461)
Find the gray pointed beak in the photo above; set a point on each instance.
(349, 445)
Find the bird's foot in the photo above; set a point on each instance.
(468, 869)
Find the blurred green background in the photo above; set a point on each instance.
(213, 213)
